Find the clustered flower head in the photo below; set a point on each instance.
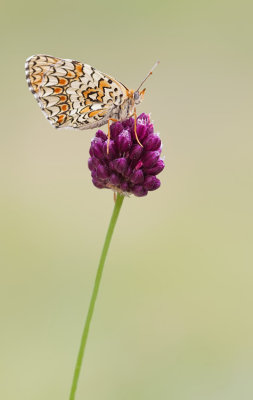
(127, 168)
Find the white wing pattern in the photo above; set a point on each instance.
(72, 94)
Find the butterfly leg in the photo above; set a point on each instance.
(109, 134)
(135, 127)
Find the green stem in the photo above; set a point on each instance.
(115, 214)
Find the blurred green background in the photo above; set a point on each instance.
(174, 314)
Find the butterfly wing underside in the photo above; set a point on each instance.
(72, 94)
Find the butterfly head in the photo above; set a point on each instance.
(138, 96)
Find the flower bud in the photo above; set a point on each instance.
(150, 129)
(156, 169)
(115, 129)
(100, 134)
(137, 177)
(112, 153)
(141, 131)
(98, 184)
(144, 118)
(102, 172)
(150, 158)
(139, 191)
(124, 141)
(151, 183)
(152, 142)
(136, 152)
(128, 124)
(97, 148)
(93, 163)
(114, 179)
(119, 165)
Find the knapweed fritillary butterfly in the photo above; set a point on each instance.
(76, 95)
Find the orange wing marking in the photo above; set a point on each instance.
(85, 110)
(64, 107)
(57, 90)
(63, 81)
(79, 70)
(61, 119)
(93, 113)
(102, 84)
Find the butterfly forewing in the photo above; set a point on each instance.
(72, 94)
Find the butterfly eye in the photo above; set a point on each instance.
(136, 95)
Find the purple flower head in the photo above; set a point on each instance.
(128, 168)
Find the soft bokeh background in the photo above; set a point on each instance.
(174, 315)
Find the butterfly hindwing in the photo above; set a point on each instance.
(72, 94)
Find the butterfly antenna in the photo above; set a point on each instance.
(150, 73)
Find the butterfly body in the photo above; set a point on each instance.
(76, 95)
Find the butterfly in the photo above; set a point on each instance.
(78, 96)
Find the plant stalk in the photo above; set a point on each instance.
(115, 214)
